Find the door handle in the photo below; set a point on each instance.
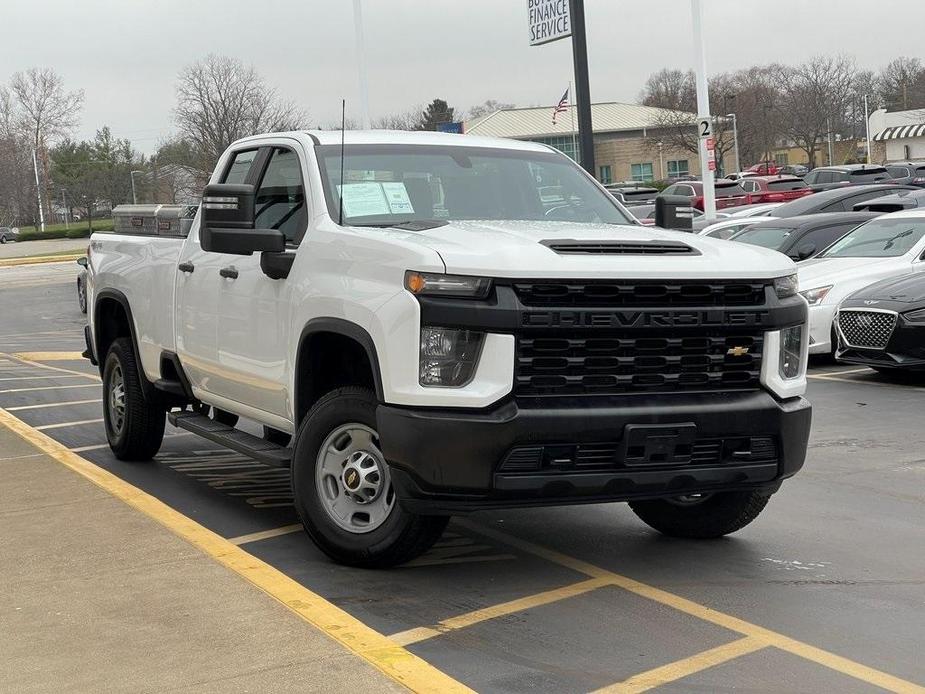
(229, 273)
(186, 267)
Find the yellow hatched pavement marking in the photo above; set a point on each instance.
(48, 356)
(390, 658)
(767, 636)
(410, 636)
(677, 670)
(265, 534)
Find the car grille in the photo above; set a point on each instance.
(587, 457)
(866, 329)
(640, 294)
(615, 363)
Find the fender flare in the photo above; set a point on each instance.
(122, 300)
(343, 327)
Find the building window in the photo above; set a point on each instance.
(782, 159)
(605, 175)
(568, 145)
(641, 172)
(678, 168)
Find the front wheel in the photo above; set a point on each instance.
(343, 491)
(82, 295)
(701, 516)
(134, 425)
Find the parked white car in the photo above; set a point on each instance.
(728, 227)
(888, 246)
(762, 210)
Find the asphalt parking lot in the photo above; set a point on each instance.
(824, 592)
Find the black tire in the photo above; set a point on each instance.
(135, 432)
(222, 417)
(2, 239)
(280, 438)
(716, 515)
(402, 536)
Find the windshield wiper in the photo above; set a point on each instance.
(889, 244)
(411, 225)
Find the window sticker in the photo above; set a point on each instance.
(364, 199)
(397, 196)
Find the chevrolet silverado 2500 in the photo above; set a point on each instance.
(442, 324)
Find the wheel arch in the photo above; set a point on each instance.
(343, 332)
(112, 319)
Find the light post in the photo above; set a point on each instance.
(661, 160)
(735, 140)
(134, 196)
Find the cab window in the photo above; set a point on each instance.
(240, 166)
(280, 200)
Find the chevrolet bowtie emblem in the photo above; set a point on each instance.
(737, 351)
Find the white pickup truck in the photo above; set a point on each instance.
(443, 324)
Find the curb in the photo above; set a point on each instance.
(37, 259)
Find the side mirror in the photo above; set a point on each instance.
(82, 262)
(805, 251)
(227, 224)
(674, 212)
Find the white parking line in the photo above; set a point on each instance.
(101, 446)
(51, 404)
(32, 390)
(265, 534)
(37, 378)
(62, 425)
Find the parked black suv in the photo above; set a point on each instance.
(841, 200)
(828, 177)
(911, 173)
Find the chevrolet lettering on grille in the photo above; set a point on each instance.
(640, 319)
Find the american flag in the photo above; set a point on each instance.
(561, 107)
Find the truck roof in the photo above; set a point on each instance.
(366, 137)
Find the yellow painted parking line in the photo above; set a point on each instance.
(462, 621)
(47, 405)
(769, 637)
(64, 425)
(48, 356)
(34, 390)
(672, 672)
(265, 534)
(36, 259)
(390, 658)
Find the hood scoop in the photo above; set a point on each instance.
(594, 247)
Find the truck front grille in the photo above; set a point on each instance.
(641, 294)
(866, 329)
(622, 362)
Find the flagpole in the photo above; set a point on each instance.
(571, 110)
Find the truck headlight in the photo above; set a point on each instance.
(786, 286)
(815, 296)
(791, 352)
(449, 357)
(457, 286)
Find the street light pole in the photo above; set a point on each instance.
(735, 139)
(361, 64)
(703, 109)
(867, 126)
(134, 195)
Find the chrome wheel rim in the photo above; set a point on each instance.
(116, 400)
(352, 479)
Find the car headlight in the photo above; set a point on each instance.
(786, 286)
(449, 357)
(815, 296)
(917, 316)
(791, 352)
(460, 286)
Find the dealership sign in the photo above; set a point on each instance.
(549, 20)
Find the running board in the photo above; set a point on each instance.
(229, 437)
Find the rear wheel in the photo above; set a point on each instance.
(134, 425)
(82, 294)
(702, 516)
(343, 491)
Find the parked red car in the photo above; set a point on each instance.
(775, 188)
(728, 193)
(765, 168)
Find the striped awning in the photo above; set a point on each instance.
(901, 132)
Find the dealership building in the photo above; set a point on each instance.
(898, 135)
(627, 138)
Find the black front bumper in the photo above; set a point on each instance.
(446, 461)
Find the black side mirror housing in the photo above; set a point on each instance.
(805, 251)
(674, 212)
(227, 223)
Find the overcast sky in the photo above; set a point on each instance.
(126, 55)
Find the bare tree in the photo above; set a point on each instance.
(220, 100)
(405, 120)
(486, 108)
(902, 84)
(671, 89)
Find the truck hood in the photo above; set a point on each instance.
(520, 249)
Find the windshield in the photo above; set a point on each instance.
(767, 237)
(878, 238)
(388, 184)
